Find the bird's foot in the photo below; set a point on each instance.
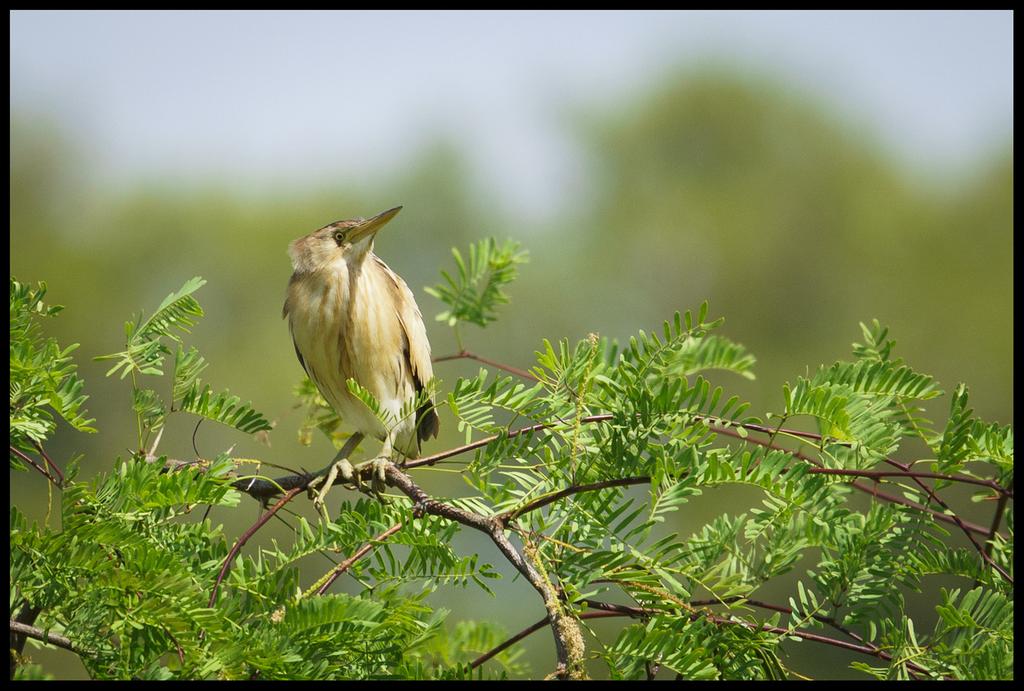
(340, 467)
(378, 475)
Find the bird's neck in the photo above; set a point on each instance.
(335, 280)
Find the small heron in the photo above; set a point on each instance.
(351, 316)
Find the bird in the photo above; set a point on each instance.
(351, 317)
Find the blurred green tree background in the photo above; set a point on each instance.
(793, 221)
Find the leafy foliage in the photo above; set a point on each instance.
(144, 354)
(44, 379)
(224, 408)
(144, 348)
(317, 414)
(475, 290)
(593, 464)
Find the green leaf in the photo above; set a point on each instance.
(476, 290)
(44, 378)
(144, 350)
(223, 408)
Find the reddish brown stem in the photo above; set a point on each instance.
(568, 491)
(289, 495)
(49, 461)
(604, 609)
(510, 642)
(465, 354)
(877, 474)
(981, 550)
(434, 458)
(952, 514)
(28, 459)
(575, 489)
(905, 472)
(806, 635)
(787, 610)
(532, 628)
(872, 489)
(994, 530)
(996, 520)
(356, 556)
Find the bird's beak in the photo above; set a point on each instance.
(372, 225)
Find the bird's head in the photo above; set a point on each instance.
(349, 241)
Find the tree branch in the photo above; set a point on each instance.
(513, 514)
(26, 617)
(510, 642)
(981, 550)
(52, 638)
(994, 530)
(829, 621)
(264, 489)
(996, 520)
(356, 556)
(532, 628)
(434, 458)
(491, 526)
(872, 489)
(878, 474)
(575, 489)
(245, 538)
(28, 459)
(605, 609)
(952, 514)
(806, 635)
(49, 461)
(465, 354)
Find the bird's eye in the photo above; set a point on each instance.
(339, 236)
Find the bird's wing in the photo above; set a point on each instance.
(284, 314)
(417, 352)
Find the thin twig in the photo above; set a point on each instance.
(458, 450)
(996, 520)
(994, 530)
(509, 642)
(750, 625)
(605, 609)
(177, 645)
(981, 550)
(49, 461)
(194, 433)
(905, 471)
(28, 459)
(344, 566)
(512, 514)
(245, 538)
(913, 474)
(576, 489)
(532, 628)
(866, 649)
(952, 514)
(867, 489)
(263, 488)
(465, 354)
(787, 610)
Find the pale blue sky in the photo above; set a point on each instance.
(289, 97)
